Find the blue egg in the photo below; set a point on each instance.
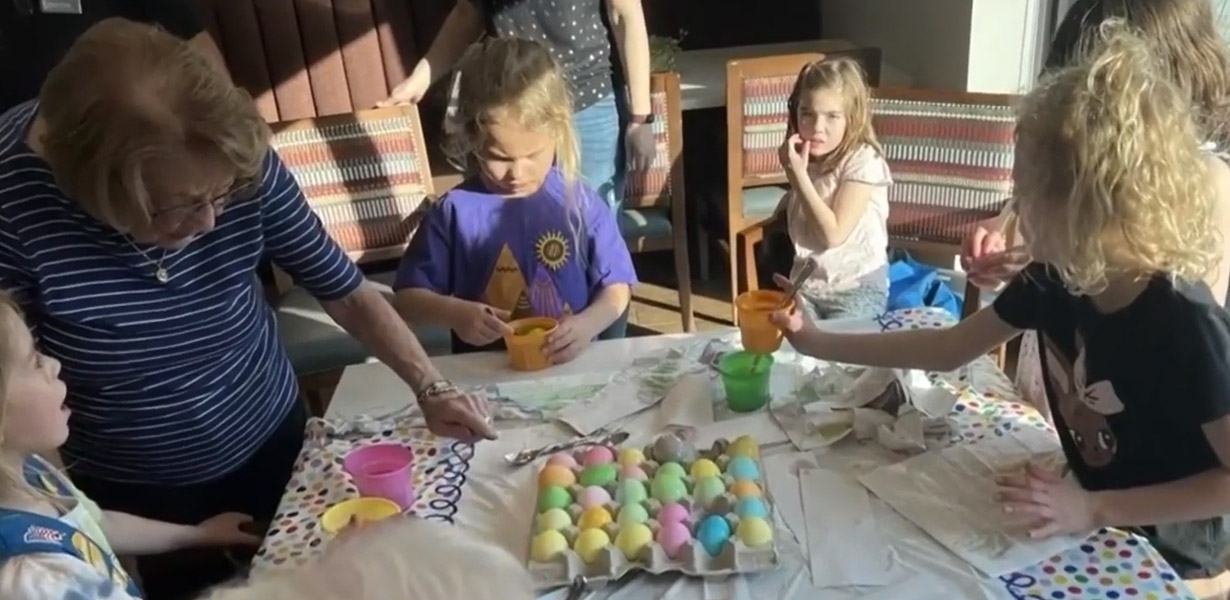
(751, 507)
(743, 468)
(713, 533)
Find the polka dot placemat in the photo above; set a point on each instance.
(318, 481)
(1112, 565)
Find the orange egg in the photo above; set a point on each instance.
(556, 475)
(745, 489)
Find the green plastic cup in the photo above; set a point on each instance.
(745, 377)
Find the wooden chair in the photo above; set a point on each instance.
(951, 157)
(653, 217)
(757, 91)
(366, 177)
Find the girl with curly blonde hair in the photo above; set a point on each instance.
(1116, 210)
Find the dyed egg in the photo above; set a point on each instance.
(744, 445)
(751, 506)
(745, 489)
(590, 543)
(556, 475)
(631, 457)
(631, 491)
(548, 545)
(633, 473)
(668, 489)
(673, 512)
(672, 448)
(632, 514)
(553, 519)
(754, 531)
(705, 468)
(563, 459)
(594, 518)
(600, 475)
(743, 468)
(553, 497)
(633, 539)
(593, 496)
(672, 537)
(708, 489)
(670, 469)
(713, 533)
(597, 455)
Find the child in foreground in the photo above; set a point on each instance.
(837, 206)
(56, 544)
(1116, 210)
(521, 237)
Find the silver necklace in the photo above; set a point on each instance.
(160, 272)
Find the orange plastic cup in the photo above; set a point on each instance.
(759, 336)
(525, 344)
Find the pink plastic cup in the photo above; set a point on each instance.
(382, 471)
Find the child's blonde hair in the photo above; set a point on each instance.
(845, 76)
(410, 558)
(1109, 174)
(12, 479)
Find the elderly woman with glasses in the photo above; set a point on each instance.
(138, 195)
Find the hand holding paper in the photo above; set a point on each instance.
(1051, 504)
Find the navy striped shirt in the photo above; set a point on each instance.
(175, 383)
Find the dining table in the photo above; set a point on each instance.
(472, 486)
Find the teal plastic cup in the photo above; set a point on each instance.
(745, 377)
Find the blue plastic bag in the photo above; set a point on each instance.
(912, 284)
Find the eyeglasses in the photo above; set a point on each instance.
(217, 204)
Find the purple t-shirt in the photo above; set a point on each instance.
(523, 255)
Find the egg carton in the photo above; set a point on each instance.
(706, 515)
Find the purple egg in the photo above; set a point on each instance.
(633, 473)
(672, 512)
(672, 537)
(563, 459)
(597, 455)
(593, 496)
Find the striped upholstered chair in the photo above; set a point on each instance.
(951, 156)
(653, 217)
(366, 177)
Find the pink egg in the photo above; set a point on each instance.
(672, 537)
(633, 473)
(563, 459)
(593, 496)
(672, 512)
(598, 455)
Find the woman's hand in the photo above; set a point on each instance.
(1049, 504)
(570, 338)
(641, 145)
(450, 412)
(226, 529)
(409, 91)
(478, 324)
(794, 155)
(987, 260)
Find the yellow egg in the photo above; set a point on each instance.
(744, 445)
(631, 457)
(705, 468)
(745, 489)
(594, 518)
(547, 545)
(553, 519)
(754, 531)
(556, 475)
(633, 539)
(590, 543)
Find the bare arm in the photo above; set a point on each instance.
(926, 349)
(1200, 496)
(367, 316)
(632, 38)
(425, 307)
(133, 535)
(461, 27)
(1219, 277)
(835, 223)
(611, 302)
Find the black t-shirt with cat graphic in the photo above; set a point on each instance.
(1130, 390)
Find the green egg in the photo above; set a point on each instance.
(632, 514)
(553, 496)
(673, 469)
(631, 491)
(708, 489)
(668, 488)
(600, 475)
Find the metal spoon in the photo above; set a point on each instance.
(525, 457)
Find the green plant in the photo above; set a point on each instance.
(663, 50)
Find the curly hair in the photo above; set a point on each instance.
(1109, 176)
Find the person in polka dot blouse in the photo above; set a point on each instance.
(613, 124)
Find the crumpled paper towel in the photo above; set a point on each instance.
(898, 408)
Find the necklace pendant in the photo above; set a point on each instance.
(161, 275)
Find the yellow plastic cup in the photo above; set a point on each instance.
(759, 336)
(367, 510)
(525, 344)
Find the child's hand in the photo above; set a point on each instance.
(990, 270)
(568, 340)
(478, 324)
(1049, 503)
(226, 529)
(794, 155)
